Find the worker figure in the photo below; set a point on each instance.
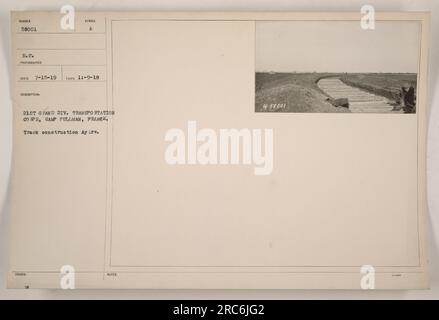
(408, 103)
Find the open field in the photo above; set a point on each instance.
(299, 92)
(296, 92)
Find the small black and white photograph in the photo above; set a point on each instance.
(336, 66)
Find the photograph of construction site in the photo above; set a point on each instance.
(336, 67)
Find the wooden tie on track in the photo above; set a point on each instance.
(359, 100)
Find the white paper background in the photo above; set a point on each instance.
(222, 5)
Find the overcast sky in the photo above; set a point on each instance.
(337, 46)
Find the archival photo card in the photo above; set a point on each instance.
(142, 162)
(336, 66)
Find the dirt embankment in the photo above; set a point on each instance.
(292, 92)
(384, 84)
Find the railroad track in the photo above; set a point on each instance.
(359, 100)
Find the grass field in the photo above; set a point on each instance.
(298, 92)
